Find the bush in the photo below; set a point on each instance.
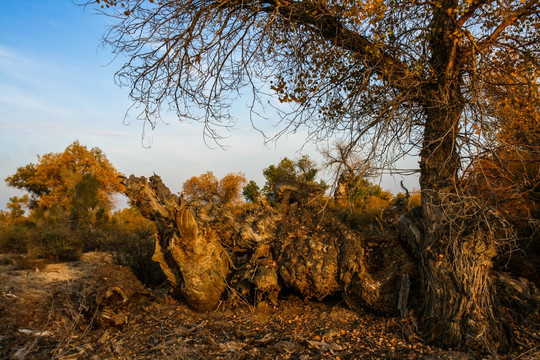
(15, 236)
(359, 219)
(415, 200)
(135, 251)
(55, 243)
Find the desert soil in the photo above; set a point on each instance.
(51, 312)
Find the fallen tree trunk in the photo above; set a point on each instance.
(207, 250)
(194, 261)
(299, 247)
(319, 256)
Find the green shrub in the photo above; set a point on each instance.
(15, 236)
(55, 243)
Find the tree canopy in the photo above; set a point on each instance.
(302, 169)
(251, 191)
(358, 70)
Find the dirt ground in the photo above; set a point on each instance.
(55, 312)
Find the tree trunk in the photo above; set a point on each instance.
(454, 253)
(453, 250)
(455, 266)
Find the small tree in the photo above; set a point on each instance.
(203, 188)
(62, 178)
(16, 206)
(71, 194)
(15, 229)
(303, 170)
(251, 191)
(230, 186)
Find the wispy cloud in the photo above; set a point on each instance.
(30, 125)
(19, 67)
(111, 133)
(15, 98)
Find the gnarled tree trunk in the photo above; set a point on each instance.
(453, 248)
(300, 248)
(195, 263)
(453, 252)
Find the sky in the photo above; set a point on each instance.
(57, 86)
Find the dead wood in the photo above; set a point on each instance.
(207, 248)
(194, 261)
(99, 296)
(519, 294)
(293, 191)
(381, 277)
(306, 248)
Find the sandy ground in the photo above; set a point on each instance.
(51, 312)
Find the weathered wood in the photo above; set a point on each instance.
(298, 247)
(520, 295)
(195, 263)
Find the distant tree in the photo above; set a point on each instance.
(16, 206)
(203, 188)
(71, 179)
(303, 170)
(283, 171)
(251, 191)
(362, 189)
(15, 229)
(71, 196)
(230, 187)
(207, 188)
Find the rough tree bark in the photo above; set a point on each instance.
(299, 247)
(455, 267)
(195, 263)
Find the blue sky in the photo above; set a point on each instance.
(57, 86)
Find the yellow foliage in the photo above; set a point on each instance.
(230, 187)
(131, 221)
(374, 205)
(207, 188)
(55, 176)
(415, 200)
(201, 188)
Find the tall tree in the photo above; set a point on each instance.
(390, 77)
